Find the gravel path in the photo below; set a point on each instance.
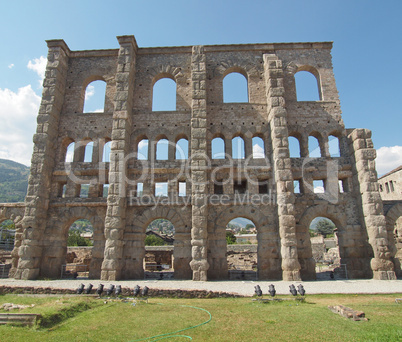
(245, 288)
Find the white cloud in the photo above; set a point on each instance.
(258, 151)
(90, 91)
(319, 190)
(39, 66)
(18, 113)
(388, 158)
(11, 66)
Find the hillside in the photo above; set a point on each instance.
(13, 181)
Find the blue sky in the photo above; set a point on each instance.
(366, 54)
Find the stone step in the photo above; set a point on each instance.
(18, 318)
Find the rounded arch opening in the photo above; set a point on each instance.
(159, 249)
(218, 148)
(80, 234)
(164, 94)
(307, 84)
(142, 149)
(69, 157)
(334, 146)
(238, 149)
(162, 149)
(235, 87)
(182, 149)
(325, 249)
(241, 261)
(314, 147)
(258, 148)
(94, 98)
(107, 148)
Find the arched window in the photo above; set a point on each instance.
(143, 149)
(162, 148)
(238, 148)
(95, 97)
(235, 88)
(164, 95)
(307, 86)
(70, 153)
(314, 147)
(258, 148)
(294, 147)
(106, 152)
(182, 149)
(334, 147)
(89, 148)
(218, 148)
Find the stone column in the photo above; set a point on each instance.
(199, 175)
(282, 166)
(42, 162)
(365, 180)
(115, 220)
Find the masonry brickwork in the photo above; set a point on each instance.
(213, 196)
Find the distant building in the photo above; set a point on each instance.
(391, 185)
(246, 238)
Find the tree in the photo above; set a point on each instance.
(249, 226)
(75, 239)
(325, 227)
(230, 238)
(153, 240)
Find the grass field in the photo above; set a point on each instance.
(241, 319)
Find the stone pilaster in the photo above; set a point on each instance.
(42, 162)
(199, 174)
(115, 221)
(365, 177)
(282, 166)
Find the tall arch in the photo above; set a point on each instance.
(235, 87)
(238, 148)
(258, 148)
(162, 149)
(134, 248)
(218, 148)
(106, 151)
(56, 235)
(268, 249)
(308, 84)
(182, 149)
(69, 152)
(143, 149)
(164, 93)
(95, 96)
(294, 147)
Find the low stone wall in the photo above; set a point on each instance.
(126, 292)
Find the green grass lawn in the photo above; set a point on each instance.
(241, 319)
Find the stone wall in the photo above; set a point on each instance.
(391, 185)
(217, 190)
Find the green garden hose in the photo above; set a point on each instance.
(174, 333)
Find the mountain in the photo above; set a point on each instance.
(13, 181)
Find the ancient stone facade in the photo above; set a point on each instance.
(217, 189)
(391, 185)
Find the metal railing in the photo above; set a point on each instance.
(4, 270)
